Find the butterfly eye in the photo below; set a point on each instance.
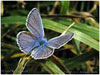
(43, 41)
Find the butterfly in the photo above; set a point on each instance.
(33, 43)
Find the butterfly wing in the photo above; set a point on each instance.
(25, 41)
(34, 23)
(59, 41)
(42, 52)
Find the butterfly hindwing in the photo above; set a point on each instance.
(25, 41)
(42, 52)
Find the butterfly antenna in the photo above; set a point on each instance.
(68, 28)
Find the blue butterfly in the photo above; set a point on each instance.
(34, 43)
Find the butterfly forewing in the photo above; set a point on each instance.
(34, 23)
(59, 41)
(25, 41)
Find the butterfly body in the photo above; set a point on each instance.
(39, 42)
(34, 43)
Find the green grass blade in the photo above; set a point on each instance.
(21, 65)
(84, 28)
(78, 60)
(64, 7)
(77, 46)
(52, 67)
(77, 34)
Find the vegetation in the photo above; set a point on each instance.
(80, 55)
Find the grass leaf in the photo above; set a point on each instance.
(78, 60)
(21, 65)
(51, 67)
(64, 7)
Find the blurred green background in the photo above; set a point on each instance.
(80, 55)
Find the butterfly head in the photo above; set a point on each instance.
(43, 41)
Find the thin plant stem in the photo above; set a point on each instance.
(63, 16)
(21, 65)
(68, 28)
(9, 31)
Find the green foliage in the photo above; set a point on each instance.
(58, 27)
(21, 65)
(72, 58)
(78, 60)
(65, 7)
(52, 68)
